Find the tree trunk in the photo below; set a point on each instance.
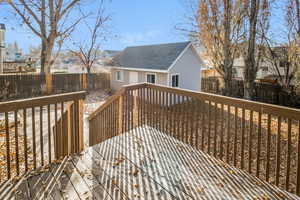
(48, 57)
(298, 16)
(46, 54)
(228, 83)
(44, 42)
(89, 79)
(250, 63)
(226, 49)
(43, 57)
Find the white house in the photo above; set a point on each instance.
(173, 64)
(266, 68)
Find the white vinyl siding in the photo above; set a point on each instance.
(189, 69)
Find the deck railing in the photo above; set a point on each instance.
(260, 138)
(33, 133)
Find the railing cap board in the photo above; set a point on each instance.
(115, 96)
(234, 102)
(40, 101)
(107, 102)
(291, 113)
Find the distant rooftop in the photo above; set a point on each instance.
(158, 56)
(111, 53)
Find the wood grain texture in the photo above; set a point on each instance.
(146, 163)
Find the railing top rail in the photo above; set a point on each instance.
(108, 102)
(243, 103)
(21, 74)
(40, 101)
(116, 96)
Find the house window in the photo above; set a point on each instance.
(264, 69)
(151, 78)
(234, 72)
(119, 76)
(175, 80)
(283, 63)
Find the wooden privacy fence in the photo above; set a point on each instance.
(33, 133)
(31, 85)
(260, 138)
(210, 85)
(264, 92)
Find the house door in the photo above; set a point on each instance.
(133, 77)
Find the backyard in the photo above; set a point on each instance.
(93, 100)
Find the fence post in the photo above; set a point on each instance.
(83, 81)
(70, 138)
(218, 86)
(49, 83)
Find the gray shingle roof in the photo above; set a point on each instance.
(156, 57)
(112, 52)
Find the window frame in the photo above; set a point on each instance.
(155, 77)
(121, 75)
(177, 74)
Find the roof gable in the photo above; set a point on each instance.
(154, 57)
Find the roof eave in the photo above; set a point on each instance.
(140, 69)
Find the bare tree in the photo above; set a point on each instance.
(277, 58)
(283, 57)
(293, 38)
(189, 24)
(49, 20)
(88, 50)
(220, 32)
(255, 27)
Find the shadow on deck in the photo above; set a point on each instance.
(142, 164)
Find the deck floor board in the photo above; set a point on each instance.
(133, 172)
(145, 164)
(162, 174)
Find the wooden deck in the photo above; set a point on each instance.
(142, 164)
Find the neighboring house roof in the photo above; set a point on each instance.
(112, 52)
(152, 57)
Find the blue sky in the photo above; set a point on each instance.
(134, 22)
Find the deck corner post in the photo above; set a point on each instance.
(68, 132)
(135, 109)
(120, 114)
(80, 125)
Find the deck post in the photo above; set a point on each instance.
(120, 117)
(67, 131)
(135, 109)
(80, 125)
